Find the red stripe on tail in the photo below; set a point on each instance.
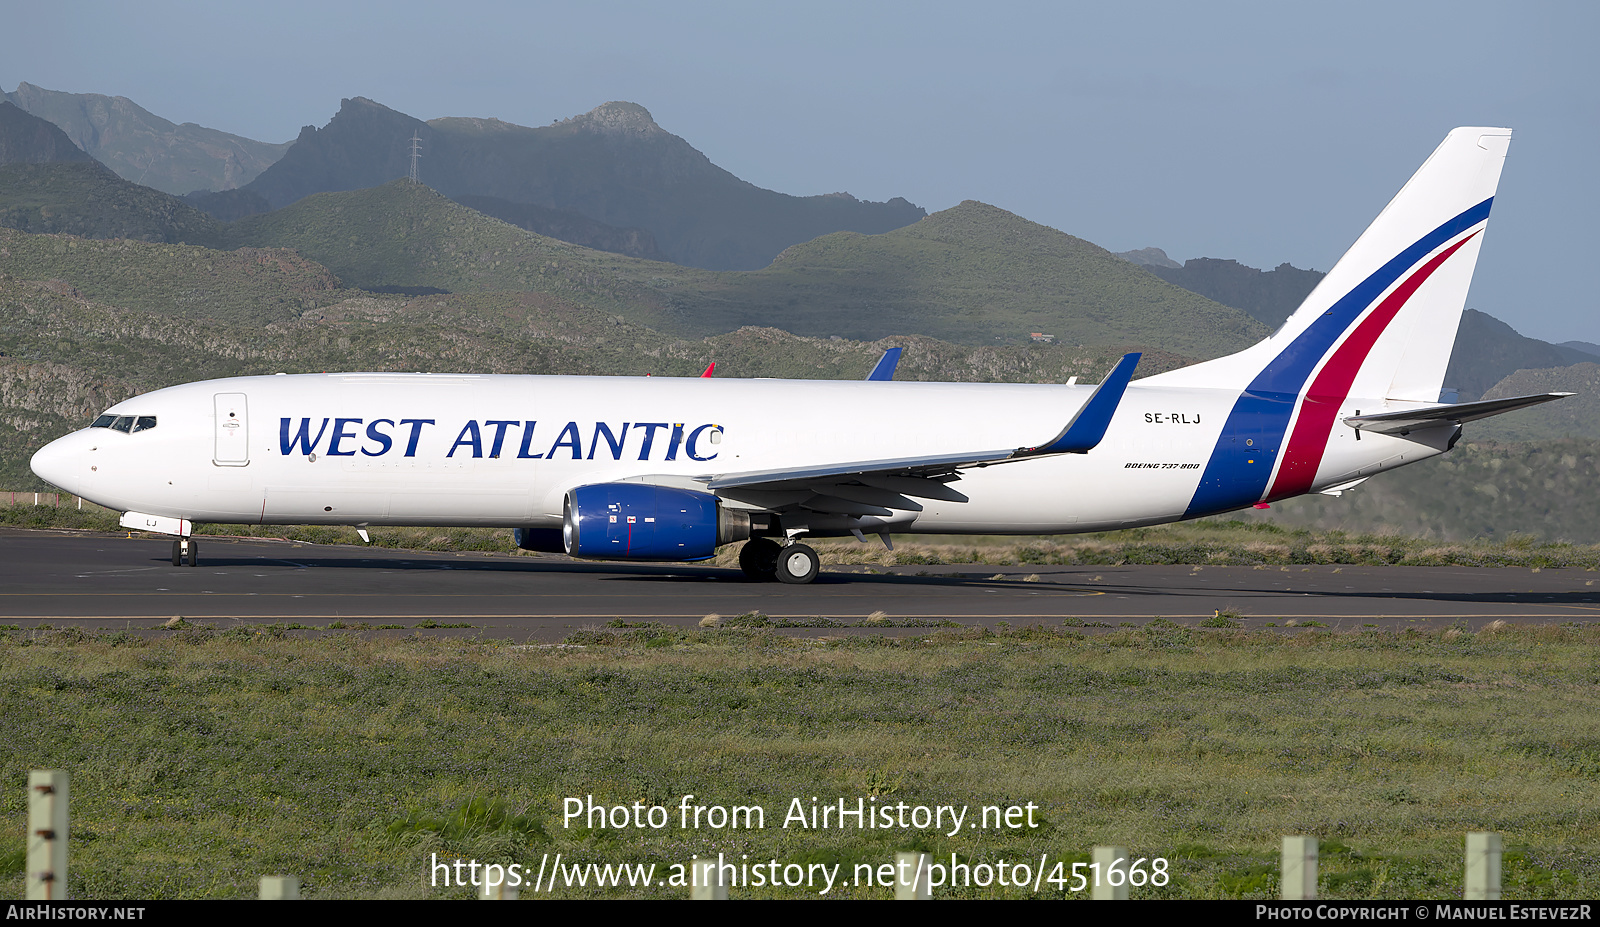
(1329, 390)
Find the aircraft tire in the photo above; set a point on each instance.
(758, 558)
(177, 553)
(194, 553)
(797, 564)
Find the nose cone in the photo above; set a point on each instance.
(64, 463)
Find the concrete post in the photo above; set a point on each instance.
(1105, 860)
(1483, 867)
(706, 881)
(279, 888)
(501, 892)
(48, 797)
(1299, 868)
(911, 872)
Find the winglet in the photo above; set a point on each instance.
(712, 366)
(886, 364)
(1090, 424)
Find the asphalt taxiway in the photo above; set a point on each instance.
(96, 580)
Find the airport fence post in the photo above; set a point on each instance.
(1299, 868)
(1107, 888)
(48, 795)
(279, 888)
(1483, 867)
(706, 881)
(913, 866)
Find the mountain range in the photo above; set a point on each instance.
(613, 165)
(610, 179)
(145, 148)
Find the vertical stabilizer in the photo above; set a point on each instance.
(1379, 328)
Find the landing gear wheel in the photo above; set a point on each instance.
(177, 553)
(797, 564)
(758, 558)
(194, 554)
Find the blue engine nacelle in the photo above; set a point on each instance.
(637, 521)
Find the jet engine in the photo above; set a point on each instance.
(638, 521)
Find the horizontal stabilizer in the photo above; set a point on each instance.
(1400, 423)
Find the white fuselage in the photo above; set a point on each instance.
(446, 450)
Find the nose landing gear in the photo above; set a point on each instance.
(185, 549)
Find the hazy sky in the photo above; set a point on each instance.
(1266, 132)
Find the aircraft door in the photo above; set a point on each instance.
(233, 431)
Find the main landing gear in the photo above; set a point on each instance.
(185, 549)
(763, 560)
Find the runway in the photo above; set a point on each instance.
(94, 581)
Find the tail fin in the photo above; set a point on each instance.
(1382, 323)
(1379, 327)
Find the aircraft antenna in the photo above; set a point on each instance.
(416, 152)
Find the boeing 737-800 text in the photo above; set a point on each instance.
(671, 468)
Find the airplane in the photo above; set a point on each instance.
(635, 468)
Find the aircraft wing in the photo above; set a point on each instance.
(874, 487)
(1401, 423)
(867, 487)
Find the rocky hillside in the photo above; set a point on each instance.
(86, 199)
(252, 286)
(27, 139)
(566, 225)
(973, 274)
(1576, 416)
(1488, 350)
(1268, 296)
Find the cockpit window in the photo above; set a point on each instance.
(127, 424)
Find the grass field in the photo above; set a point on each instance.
(203, 759)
